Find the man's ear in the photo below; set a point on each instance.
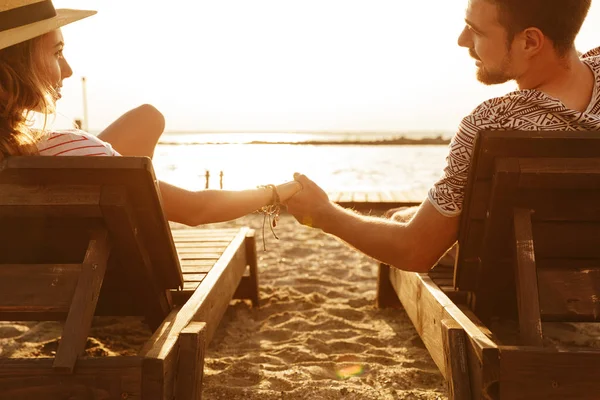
(532, 41)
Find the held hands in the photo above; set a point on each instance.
(311, 204)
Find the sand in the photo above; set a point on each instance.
(317, 334)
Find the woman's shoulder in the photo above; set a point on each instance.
(73, 142)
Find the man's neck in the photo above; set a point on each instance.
(568, 79)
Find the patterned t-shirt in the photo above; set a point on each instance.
(526, 110)
(74, 142)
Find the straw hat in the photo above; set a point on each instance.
(21, 20)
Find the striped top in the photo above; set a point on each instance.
(74, 142)
(526, 110)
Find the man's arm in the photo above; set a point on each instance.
(415, 245)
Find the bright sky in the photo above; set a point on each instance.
(278, 65)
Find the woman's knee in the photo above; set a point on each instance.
(154, 119)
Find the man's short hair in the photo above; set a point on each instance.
(559, 20)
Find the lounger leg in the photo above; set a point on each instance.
(248, 286)
(455, 354)
(190, 368)
(386, 295)
(253, 265)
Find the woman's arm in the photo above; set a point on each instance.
(208, 206)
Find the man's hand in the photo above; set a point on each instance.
(311, 204)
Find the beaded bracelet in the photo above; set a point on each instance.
(271, 210)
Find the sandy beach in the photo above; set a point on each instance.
(317, 334)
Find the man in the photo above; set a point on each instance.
(528, 41)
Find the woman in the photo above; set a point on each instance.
(32, 70)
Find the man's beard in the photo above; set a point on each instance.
(493, 77)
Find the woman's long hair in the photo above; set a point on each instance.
(23, 90)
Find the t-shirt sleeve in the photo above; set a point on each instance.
(448, 193)
(74, 143)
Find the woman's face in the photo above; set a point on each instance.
(54, 67)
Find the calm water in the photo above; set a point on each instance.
(334, 167)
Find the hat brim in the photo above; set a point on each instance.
(63, 17)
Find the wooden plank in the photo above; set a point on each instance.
(359, 197)
(193, 277)
(534, 373)
(190, 369)
(345, 197)
(564, 173)
(569, 294)
(426, 305)
(487, 298)
(190, 286)
(567, 240)
(200, 255)
(182, 246)
(197, 267)
(399, 196)
(94, 378)
(79, 320)
(207, 304)
(386, 196)
(530, 323)
(455, 345)
(182, 252)
(27, 201)
(147, 286)
(37, 288)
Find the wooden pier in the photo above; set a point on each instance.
(378, 200)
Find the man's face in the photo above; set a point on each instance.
(486, 40)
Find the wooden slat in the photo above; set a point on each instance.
(567, 240)
(359, 197)
(193, 277)
(534, 373)
(386, 196)
(205, 249)
(345, 197)
(497, 229)
(197, 265)
(27, 201)
(203, 267)
(564, 173)
(102, 377)
(200, 255)
(79, 320)
(180, 246)
(190, 369)
(39, 288)
(147, 285)
(569, 294)
(530, 323)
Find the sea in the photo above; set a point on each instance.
(338, 162)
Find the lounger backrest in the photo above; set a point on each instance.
(49, 207)
(553, 175)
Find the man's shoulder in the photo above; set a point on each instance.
(592, 53)
(492, 113)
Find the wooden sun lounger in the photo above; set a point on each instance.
(86, 236)
(528, 252)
